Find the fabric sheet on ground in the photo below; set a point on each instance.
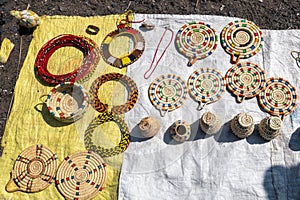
(220, 166)
(27, 126)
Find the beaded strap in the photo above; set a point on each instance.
(107, 152)
(86, 45)
(119, 109)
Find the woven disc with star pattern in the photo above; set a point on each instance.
(241, 38)
(34, 169)
(245, 80)
(167, 92)
(196, 40)
(81, 175)
(206, 85)
(279, 97)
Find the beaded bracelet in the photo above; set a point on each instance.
(107, 152)
(86, 45)
(120, 109)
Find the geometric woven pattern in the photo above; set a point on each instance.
(245, 80)
(279, 97)
(206, 85)
(81, 175)
(196, 40)
(118, 109)
(241, 39)
(34, 169)
(107, 152)
(67, 101)
(167, 92)
(139, 45)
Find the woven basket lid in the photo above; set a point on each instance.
(245, 80)
(33, 170)
(206, 85)
(81, 175)
(67, 102)
(279, 98)
(196, 40)
(167, 92)
(242, 38)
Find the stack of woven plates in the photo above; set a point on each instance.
(67, 102)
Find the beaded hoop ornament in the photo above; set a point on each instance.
(107, 152)
(241, 39)
(81, 175)
(167, 93)
(86, 45)
(33, 170)
(279, 97)
(67, 102)
(139, 46)
(245, 80)
(120, 109)
(196, 40)
(206, 85)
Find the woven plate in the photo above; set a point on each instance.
(107, 152)
(67, 102)
(206, 85)
(167, 92)
(241, 39)
(34, 169)
(81, 175)
(279, 97)
(245, 80)
(139, 46)
(196, 40)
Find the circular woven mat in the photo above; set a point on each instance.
(167, 92)
(67, 102)
(34, 169)
(139, 46)
(206, 85)
(126, 81)
(279, 97)
(241, 38)
(245, 80)
(196, 40)
(107, 152)
(81, 175)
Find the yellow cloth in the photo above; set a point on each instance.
(27, 126)
(6, 48)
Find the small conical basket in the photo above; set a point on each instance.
(210, 123)
(180, 131)
(67, 102)
(242, 125)
(270, 127)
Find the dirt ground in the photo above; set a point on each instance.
(267, 14)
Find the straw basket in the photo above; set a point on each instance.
(67, 102)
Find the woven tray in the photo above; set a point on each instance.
(33, 170)
(245, 80)
(241, 39)
(206, 85)
(81, 175)
(167, 93)
(196, 40)
(67, 102)
(279, 98)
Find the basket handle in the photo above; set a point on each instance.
(201, 105)
(192, 61)
(233, 60)
(41, 98)
(240, 99)
(163, 112)
(11, 186)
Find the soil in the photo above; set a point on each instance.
(275, 14)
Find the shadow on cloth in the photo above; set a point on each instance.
(282, 182)
(48, 118)
(225, 134)
(294, 143)
(255, 138)
(136, 136)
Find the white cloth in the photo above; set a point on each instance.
(211, 167)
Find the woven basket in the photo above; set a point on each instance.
(67, 102)
(242, 125)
